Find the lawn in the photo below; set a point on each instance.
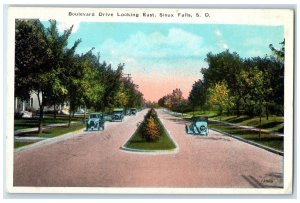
(208, 114)
(55, 131)
(266, 139)
(274, 123)
(33, 122)
(21, 144)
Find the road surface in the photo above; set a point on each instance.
(94, 159)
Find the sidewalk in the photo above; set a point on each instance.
(247, 127)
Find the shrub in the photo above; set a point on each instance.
(151, 130)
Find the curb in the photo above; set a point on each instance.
(152, 152)
(250, 142)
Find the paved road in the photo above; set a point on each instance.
(95, 159)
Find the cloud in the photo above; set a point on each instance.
(64, 25)
(158, 61)
(218, 33)
(221, 42)
(176, 43)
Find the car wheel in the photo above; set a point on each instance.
(202, 128)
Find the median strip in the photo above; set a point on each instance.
(138, 142)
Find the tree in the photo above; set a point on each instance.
(58, 57)
(254, 81)
(30, 50)
(279, 53)
(74, 84)
(273, 72)
(102, 83)
(224, 66)
(111, 80)
(173, 101)
(40, 55)
(122, 96)
(93, 83)
(219, 95)
(131, 95)
(31, 70)
(197, 95)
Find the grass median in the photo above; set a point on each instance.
(164, 143)
(151, 135)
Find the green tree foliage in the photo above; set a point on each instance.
(74, 84)
(46, 66)
(219, 96)
(224, 66)
(122, 96)
(60, 62)
(112, 84)
(273, 82)
(249, 81)
(135, 97)
(94, 87)
(279, 53)
(128, 95)
(197, 95)
(40, 55)
(30, 52)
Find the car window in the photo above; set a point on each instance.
(93, 116)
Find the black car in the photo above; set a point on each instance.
(118, 115)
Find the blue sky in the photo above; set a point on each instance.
(170, 55)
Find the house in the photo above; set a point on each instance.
(32, 105)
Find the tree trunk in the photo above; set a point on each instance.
(260, 114)
(41, 105)
(193, 111)
(238, 113)
(69, 124)
(84, 114)
(54, 107)
(267, 112)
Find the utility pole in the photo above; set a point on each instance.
(128, 76)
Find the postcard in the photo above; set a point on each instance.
(149, 100)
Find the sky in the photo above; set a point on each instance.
(163, 57)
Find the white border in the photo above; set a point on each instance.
(262, 17)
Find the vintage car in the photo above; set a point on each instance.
(132, 111)
(199, 126)
(95, 122)
(127, 112)
(118, 115)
